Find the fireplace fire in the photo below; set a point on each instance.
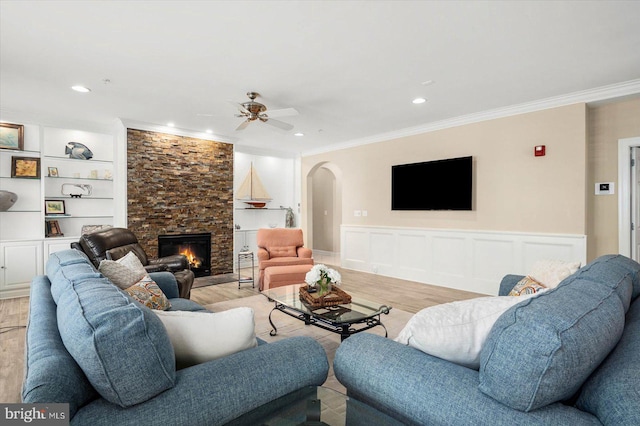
(196, 247)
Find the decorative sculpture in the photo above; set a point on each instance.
(78, 151)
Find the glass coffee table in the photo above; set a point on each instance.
(315, 406)
(345, 320)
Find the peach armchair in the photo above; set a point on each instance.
(281, 247)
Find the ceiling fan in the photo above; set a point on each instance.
(253, 110)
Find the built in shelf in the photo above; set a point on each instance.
(53, 157)
(67, 216)
(78, 178)
(257, 209)
(68, 197)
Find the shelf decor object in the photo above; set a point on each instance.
(53, 229)
(76, 190)
(7, 199)
(25, 167)
(12, 136)
(78, 151)
(54, 207)
(252, 191)
(53, 171)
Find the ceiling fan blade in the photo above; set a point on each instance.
(279, 124)
(239, 106)
(243, 125)
(285, 112)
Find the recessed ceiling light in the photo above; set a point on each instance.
(427, 83)
(209, 131)
(419, 100)
(298, 134)
(170, 124)
(81, 89)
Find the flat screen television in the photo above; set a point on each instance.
(433, 185)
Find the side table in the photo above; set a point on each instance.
(242, 256)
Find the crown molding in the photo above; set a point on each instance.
(598, 94)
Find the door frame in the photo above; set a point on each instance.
(624, 193)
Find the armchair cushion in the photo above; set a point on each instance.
(287, 251)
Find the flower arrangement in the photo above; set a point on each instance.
(322, 278)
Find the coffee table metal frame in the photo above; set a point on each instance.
(345, 320)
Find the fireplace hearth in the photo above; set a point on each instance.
(196, 247)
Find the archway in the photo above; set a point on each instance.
(324, 211)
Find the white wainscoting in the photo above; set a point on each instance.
(462, 259)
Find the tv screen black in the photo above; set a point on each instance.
(433, 185)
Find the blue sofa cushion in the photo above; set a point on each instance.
(532, 359)
(120, 345)
(51, 373)
(612, 393)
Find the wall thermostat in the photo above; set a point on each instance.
(605, 188)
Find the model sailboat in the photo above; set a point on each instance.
(252, 191)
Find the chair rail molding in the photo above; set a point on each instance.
(470, 260)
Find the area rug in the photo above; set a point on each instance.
(288, 327)
(214, 279)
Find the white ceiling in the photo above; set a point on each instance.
(350, 68)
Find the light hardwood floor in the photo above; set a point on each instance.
(401, 294)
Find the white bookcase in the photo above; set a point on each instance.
(24, 242)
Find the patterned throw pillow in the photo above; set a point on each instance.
(527, 285)
(147, 292)
(119, 274)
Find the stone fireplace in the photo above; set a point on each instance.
(181, 185)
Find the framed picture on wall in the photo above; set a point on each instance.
(52, 207)
(25, 167)
(53, 171)
(12, 136)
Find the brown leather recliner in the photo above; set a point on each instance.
(114, 243)
(281, 247)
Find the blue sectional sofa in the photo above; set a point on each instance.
(109, 357)
(570, 356)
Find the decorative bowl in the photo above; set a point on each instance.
(7, 199)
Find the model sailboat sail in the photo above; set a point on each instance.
(252, 190)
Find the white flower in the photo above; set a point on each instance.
(319, 272)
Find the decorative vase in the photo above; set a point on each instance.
(7, 199)
(323, 286)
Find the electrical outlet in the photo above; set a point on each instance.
(364, 213)
(357, 213)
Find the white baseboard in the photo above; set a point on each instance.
(462, 259)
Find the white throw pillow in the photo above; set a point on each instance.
(551, 272)
(457, 331)
(119, 274)
(131, 261)
(198, 337)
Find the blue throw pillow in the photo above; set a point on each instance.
(120, 345)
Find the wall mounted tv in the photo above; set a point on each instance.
(433, 185)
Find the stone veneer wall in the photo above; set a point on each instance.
(181, 185)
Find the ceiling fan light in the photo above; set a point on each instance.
(419, 101)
